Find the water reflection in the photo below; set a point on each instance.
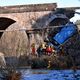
(50, 75)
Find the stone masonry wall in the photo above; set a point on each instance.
(17, 42)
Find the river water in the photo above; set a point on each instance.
(30, 74)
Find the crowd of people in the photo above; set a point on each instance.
(43, 49)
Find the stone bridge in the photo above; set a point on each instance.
(15, 18)
(14, 40)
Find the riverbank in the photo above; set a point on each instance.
(55, 61)
(33, 62)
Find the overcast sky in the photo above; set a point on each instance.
(60, 3)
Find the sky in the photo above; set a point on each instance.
(60, 3)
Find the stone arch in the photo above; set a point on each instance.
(10, 39)
(5, 23)
(56, 20)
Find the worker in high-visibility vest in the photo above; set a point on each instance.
(43, 48)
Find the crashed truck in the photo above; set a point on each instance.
(65, 30)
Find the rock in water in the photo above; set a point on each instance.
(2, 60)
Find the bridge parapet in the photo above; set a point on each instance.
(28, 8)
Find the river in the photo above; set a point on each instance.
(37, 74)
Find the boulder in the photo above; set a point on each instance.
(2, 60)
